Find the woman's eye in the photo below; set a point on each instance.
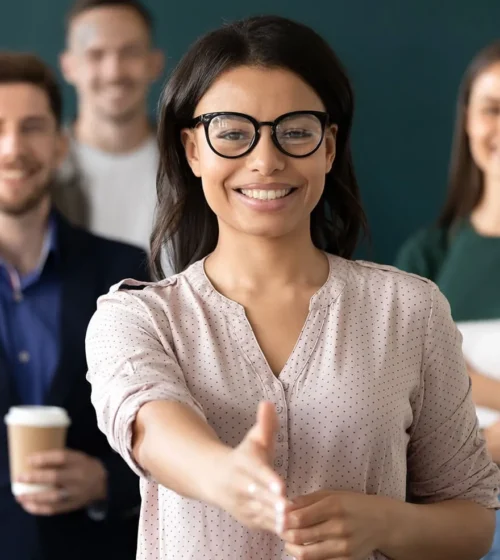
(297, 133)
(233, 135)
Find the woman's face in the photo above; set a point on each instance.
(266, 192)
(483, 121)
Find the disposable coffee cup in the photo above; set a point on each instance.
(32, 429)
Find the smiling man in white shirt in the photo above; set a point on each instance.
(108, 182)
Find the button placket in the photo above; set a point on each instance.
(276, 394)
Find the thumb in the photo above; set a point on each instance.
(307, 500)
(264, 431)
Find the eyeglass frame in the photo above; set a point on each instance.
(207, 118)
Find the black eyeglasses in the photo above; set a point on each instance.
(232, 135)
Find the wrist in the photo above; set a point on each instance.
(398, 518)
(212, 476)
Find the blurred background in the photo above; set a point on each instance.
(404, 57)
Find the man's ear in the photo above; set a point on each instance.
(157, 64)
(67, 66)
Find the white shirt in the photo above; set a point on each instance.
(481, 347)
(119, 190)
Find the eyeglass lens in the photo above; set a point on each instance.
(233, 135)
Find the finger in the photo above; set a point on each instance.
(271, 507)
(50, 509)
(256, 492)
(263, 518)
(39, 509)
(47, 498)
(326, 550)
(306, 500)
(264, 430)
(50, 476)
(259, 443)
(53, 458)
(312, 515)
(267, 423)
(318, 533)
(254, 466)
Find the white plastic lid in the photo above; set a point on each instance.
(41, 416)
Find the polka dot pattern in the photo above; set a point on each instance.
(374, 398)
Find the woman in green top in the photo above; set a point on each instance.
(462, 252)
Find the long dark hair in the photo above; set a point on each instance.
(465, 179)
(185, 224)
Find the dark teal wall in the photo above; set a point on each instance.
(405, 57)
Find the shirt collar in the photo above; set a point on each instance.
(49, 247)
(50, 243)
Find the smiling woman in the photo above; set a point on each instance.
(324, 102)
(263, 173)
(277, 399)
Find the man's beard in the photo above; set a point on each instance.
(128, 114)
(123, 118)
(26, 205)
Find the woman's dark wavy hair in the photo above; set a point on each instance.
(185, 223)
(465, 179)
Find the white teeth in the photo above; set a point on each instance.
(13, 174)
(265, 195)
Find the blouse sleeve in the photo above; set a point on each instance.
(130, 363)
(447, 456)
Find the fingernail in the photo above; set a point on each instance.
(280, 523)
(275, 488)
(280, 507)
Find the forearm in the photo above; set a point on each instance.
(177, 448)
(485, 391)
(455, 529)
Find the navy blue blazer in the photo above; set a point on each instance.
(89, 267)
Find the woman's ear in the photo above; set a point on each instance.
(331, 146)
(188, 139)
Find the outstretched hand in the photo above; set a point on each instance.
(248, 487)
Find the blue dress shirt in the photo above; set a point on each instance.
(30, 322)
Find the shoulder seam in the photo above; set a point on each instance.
(390, 268)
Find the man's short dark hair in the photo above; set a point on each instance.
(27, 68)
(82, 6)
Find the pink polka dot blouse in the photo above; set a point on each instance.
(374, 397)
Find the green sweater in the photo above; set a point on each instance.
(464, 265)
